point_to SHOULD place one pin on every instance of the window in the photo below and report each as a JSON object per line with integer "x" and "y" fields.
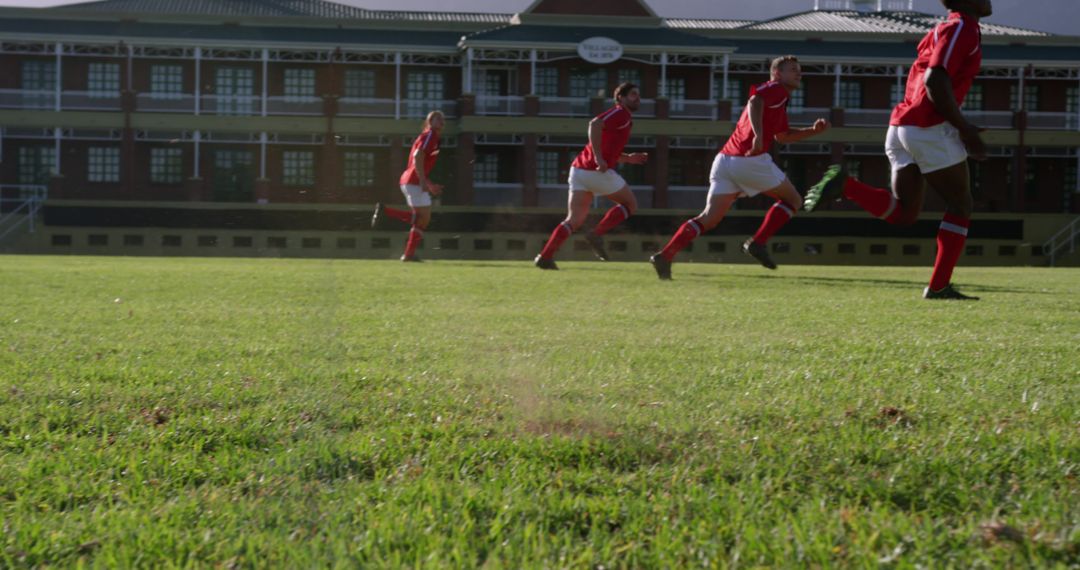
{"x": 103, "y": 164}
{"x": 897, "y": 94}
{"x": 360, "y": 83}
{"x": 797, "y": 100}
{"x": 547, "y": 167}
{"x": 975, "y": 174}
{"x": 588, "y": 82}
{"x": 235, "y": 87}
{"x": 676, "y": 92}
{"x": 547, "y": 82}
{"x": 166, "y": 165}
{"x": 1071, "y": 182}
{"x": 850, "y": 95}
{"x": 854, "y": 168}
{"x": 299, "y": 84}
{"x": 735, "y": 91}
{"x": 973, "y": 101}
{"x": 359, "y": 169}
{"x": 36, "y": 163}
{"x": 39, "y": 84}
{"x": 103, "y": 80}
{"x": 422, "y": 90}
{"x": 495, "y": 81}
{"x": 1031, "y": 97}
{"x": 298, "y": 167}
{"x": 166, "y": 81}
{"x": 631, "y": 75}
{"x": 1031, "y": 185}
{"x": 486, "y": 168}
{"x": 233, "y": 175}
{"x": 1072, "y": 107}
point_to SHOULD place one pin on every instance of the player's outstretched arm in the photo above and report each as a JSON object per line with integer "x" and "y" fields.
{"x": 796, "y": 135}
{"x": 634, "y": 158}
{"x": 939, "y": 89}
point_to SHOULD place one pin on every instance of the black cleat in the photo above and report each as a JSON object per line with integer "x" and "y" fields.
{"x": 544, "y": 263}
{"x": 662, "y": 266}
{"x": 597, "y": 244}
{"x": 411, "y": 259}
{"x": 759, "y": 252}
{"x": 947, "y": 294}
{"x": 378, "y": 214}
{"x": 829, "y": 188}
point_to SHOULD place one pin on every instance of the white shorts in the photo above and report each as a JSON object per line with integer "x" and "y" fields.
{"x": 933, "y": 148}
{"x": 416, "y": 197}
{"x": 599, "y": 183}
{"x": 743, "y": 175}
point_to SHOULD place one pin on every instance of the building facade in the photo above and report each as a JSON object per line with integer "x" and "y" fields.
{"x": 242, "y": 101}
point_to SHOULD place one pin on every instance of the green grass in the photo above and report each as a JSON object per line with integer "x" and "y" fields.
{"x": 306, "y": 413}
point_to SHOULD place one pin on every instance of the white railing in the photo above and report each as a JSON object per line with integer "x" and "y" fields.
{"x": 692, "y": 109}
{"x": 89, "y": 101}
{"x": 508, "y": 105}
{"x": 498, "y": 193}
{"x": 365, "y": 107}
{"x": 564, "y": 106}
{"x": 865, "y": 117}
{"x": 19, "y": 204}
{"x": 242, "y": 105}
{"x": 647, "y": 109}
{"x": 165, "y": 103}
{"x": 27, "y": 99}
{"x": 292, "y": 105}
{"x": 1044, "y": 121}
{"x": 798, "y": 116}
{"x": 1066, "y": 238}
{"x": 419, "y": 108}
{"x": 990, "y": 119}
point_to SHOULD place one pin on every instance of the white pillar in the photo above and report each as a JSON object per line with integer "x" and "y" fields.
{"x": 900, "y": 82}
{"x": 57, "y": 135}
{"x": 712, "y": 78}
{"x": 262, "y": 155}
{"x": 197, "y": 137}
{"x": 397, "y": 84}
{"x": 265, "y": 79}
{"x": 836, "y": 87}
{"x": 58, "y": 80}
{"x": 532, "y": 72}
{"x": 198, "y": 79}
{"x": 130, "y": 66}
{"x": 663, "y": 74}
{"x": 727, "y": 63}
{"x": 468, "y": 79}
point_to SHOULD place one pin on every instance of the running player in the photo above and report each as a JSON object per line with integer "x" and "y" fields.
{"x": 416, "y": 186}
{"x": 744, "y": 168}
{"x": 929, "y": 139}
{"x": 593, "y": 173}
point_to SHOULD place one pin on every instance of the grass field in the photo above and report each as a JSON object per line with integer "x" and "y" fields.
{"x": 306, "y": 413}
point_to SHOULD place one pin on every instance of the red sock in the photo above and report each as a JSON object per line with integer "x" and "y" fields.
{"x": 687, "y": 232}
{"x": 405, "y": 216}
{"x": 558, "y": 236}
{"x": 615, "y": 216}
{"x": 416, "y": 235}
{"x": 950, "y": 244}
{"x": 775, "y": 218}
{"x": 878, "y": 201}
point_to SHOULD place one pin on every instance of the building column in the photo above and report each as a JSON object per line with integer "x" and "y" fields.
{"x": 662, "y": 161}
{"x": 724, "y": 91}
{"x": 329, "y": 179}
{"x": 194, "y": 184}
{"x": 1020, "y": 166}
{"x": 262, "y": 183}
{"x": 397, "y": 85}
{"x": 466, "y": 154}
{"x": 198, "y": 80}
{"x": 265, "y": 79}
{"x": 836, "y": 149}
{"x": 530, "y": 191}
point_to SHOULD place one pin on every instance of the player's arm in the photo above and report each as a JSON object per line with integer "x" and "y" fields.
{"x": 596, "y": 137}
{"x": 939, "y": 90}
{"x": 796, "y": 135}
{"x": 421, "y": 173}
{"x": 634, "y": 158}
{"x": 757, "y": 114}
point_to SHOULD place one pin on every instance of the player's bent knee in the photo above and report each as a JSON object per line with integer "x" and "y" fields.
{"x": 906, "y": 218}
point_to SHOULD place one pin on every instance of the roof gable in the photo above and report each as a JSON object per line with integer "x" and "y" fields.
{"x": 591, "y": 8}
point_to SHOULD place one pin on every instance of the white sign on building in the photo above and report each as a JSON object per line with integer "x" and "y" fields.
{"x": 600, "y": 50}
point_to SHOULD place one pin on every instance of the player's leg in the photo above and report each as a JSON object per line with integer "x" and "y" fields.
{"x": 716, "y": 208}
{"x": 422, "y": 217}
{"x": 788, "y": 201}
{"x": 952, "y": 184}
{"x": 577, "y": 210}
{"x": 625, "y": 206}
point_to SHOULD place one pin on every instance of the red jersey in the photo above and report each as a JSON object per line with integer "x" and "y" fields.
{"x": 956, "y": 45}
{"x": 617, "y": 125}
{"x": 773, "y": 120}
{"x": 428, "y": 141}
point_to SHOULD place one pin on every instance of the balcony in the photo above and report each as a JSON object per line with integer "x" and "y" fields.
{"x": 693, "y": 109}
{"x": 236, "y": 105}
{"x": 165, "y": 103}
{"x": 565, "y": 107}
{"x": 294, "y": 105}
{"x": 28, "y": 99}
{"x": 90, "y": 101}
{"x": 500, "y": 105}
{"x": 363, "y": 107}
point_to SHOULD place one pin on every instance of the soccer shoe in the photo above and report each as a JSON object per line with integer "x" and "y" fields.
{"x": 829, "y": 188}
{"x": 662, "y": 266}
{"x": 759, "y": 252}
{"x": 947, "y": 294}
{"x": 378, "y": 214}
{"x": 545, "y": 263}
{"x": 597, "y": 244}
{"x": 411, "y": 259}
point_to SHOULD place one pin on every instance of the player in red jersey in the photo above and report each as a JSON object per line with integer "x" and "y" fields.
{"x": 416, "y": 186}
{"x": 929, "y": 139}
{"x": 594, "y": 173}
{"x": 744, "y": 168}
